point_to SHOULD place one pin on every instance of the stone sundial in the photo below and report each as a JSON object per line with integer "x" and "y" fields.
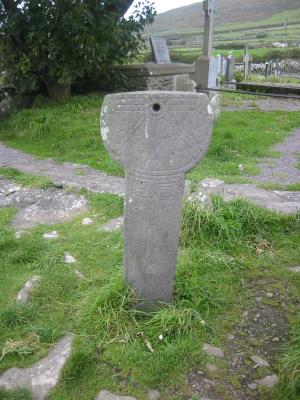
{"x": 157, "y": 137}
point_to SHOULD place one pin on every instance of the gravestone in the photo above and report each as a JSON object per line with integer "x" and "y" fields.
{"x": 247, "y": 64}
{"x": 230, "y": 69}
{"x": 213, "y": 73}
{"x": 157, "y": 137}
{"x": 160, "y": 51}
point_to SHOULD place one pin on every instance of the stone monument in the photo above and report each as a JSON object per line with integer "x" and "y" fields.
{"x": 157, "y": 137}
{"x": 247, "y": 60}
{"x": 160, "y": 51}
{"x": 204, "y": 67}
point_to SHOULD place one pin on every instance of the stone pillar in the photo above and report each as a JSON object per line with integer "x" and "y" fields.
{"x": 203, "y": 65}
{"x": 157, "y": 137}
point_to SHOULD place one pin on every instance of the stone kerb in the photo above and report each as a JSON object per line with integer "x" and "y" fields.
{"x": 157, "y": 137}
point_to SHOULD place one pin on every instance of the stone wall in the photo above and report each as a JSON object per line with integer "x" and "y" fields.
{"x": 168, "y": 77}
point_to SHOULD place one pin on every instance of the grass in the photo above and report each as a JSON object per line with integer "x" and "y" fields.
{"x": 67, "y": 132}
{"x": 239, "y": 138}
{"x": 117, "y": 347}
{"x": 27, "y": 180}
{"x": 273, "y": 79}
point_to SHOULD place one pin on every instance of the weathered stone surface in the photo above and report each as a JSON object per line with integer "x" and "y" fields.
{"x": 51, "y": 235}
{"x": 153, "y": 394}
{"x": 106, "y": 395}
{"x": 30, "y": 285}
{"x": 260, "y": 362}
{"x": 42, "y": 376}
{"x": 252, "y": 386}
{"x": 279, "y": 201}
{"x": 87, "y": 221}
{"x": 269, "y": 381}
{"x": 37, "y": 206}
{"x": 112, "y": 225}
{"x": 213, "y": 351}
{"x": 156, "y": 137}
{"x": 69, "y": 259}
{"x": 295, "y": 269}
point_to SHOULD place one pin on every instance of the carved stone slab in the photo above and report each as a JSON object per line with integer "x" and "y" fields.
{"x": 160, "y": 51}
{"x": 157, "y": 137}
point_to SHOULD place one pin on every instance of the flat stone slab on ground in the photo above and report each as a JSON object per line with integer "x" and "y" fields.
{"x": 213, "y": 351}
{"x": 260, "y": 362}
{"x": 62, "y": 174}
{"x": 106, "y": 395}
{"x": 269, "y": 381}
{"x": 112, "y": 225}
{"x": 30, "y": 285}
{"x": 42, "y": 376}
{"x": 38, "y": 206}
{"x": 295, "y": 269}
{"x": 279, "y": 201}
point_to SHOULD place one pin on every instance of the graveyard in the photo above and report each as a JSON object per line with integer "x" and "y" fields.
{"x": 149, "y": 238}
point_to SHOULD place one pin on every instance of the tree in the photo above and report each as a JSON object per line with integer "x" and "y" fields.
{"x": 53, "y": 43}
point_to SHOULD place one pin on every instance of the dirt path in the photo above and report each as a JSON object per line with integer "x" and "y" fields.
{"x": 65, "y": 175}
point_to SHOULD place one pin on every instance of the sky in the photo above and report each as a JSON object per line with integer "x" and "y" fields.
{"x": 165, "y": 5}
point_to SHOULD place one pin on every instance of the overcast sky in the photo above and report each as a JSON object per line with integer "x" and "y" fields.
{"x": 164, "y": 5}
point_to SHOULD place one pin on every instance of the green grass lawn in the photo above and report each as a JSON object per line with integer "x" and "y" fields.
{"x": 70, "y": 132}
{"x": 217, "y": 266}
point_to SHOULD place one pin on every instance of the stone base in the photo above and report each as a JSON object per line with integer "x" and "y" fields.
{"x": 172, "y": 77}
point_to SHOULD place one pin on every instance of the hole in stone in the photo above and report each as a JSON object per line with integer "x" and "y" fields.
{"x": 156, "y": 107}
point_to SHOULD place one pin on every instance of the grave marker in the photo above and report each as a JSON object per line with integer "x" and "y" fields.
{"x": 160, "y": 51}
{"x": 157, "y": 137}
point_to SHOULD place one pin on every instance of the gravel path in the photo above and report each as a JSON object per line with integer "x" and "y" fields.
{"x": 65, "y": 175}
{"x": 282, "y": 170}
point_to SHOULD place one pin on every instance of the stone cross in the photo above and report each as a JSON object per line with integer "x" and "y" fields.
{"x": 157, "y": 137}
{"x": 204, "y": 64}
{"x": 209, "y": 6}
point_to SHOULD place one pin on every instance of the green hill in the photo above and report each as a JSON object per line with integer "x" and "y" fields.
{"x": 229, "y": 12}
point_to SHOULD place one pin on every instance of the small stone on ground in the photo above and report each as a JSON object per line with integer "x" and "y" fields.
{"x": 112, "y": 225}
{"x": 87, "y": 221}
{"x": 213, "y": 351}
{"x": 106, "y": 395}
{"x": 260, "y": 362}
{"x": 153, "y": 394}
{"x": 51, "y": 235}
{"x": 69, "y": 259}
{"x": 295, "y": 269}
{"x": 30, "y": 285}
{"x": 42, "y": 376}
{"x": 269, "y": 381}
{"x": 252, "y": 386}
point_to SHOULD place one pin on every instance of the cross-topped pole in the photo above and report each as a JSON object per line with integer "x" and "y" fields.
{"x": 209, "y": 7}
{"x": 205, "y": 71}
